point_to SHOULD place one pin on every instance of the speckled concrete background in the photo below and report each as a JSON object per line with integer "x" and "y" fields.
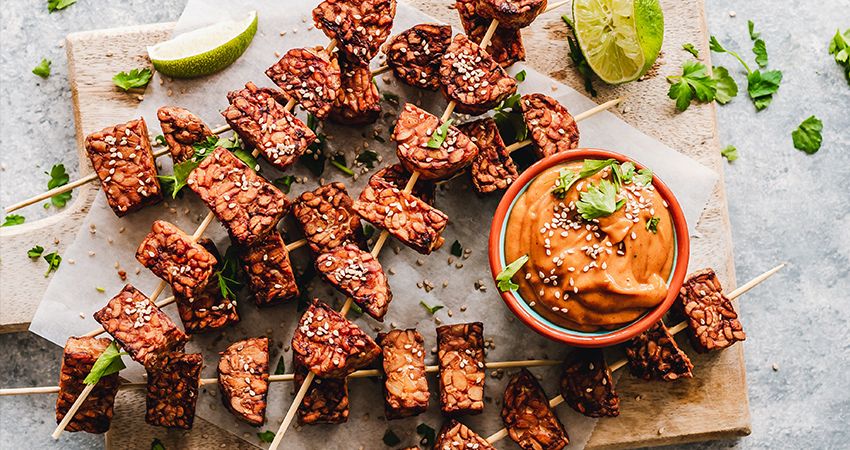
{"x": 784, "y": 206}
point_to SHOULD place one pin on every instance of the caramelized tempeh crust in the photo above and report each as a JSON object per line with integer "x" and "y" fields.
{"x": 208, "y": 310}
{"x": 269, "y": 270}
{"x": 173, "y": 391}
{"x": 654, "y": 355}
{"x": 172, "y": 255}
{"x": 530, "y": 421}
{"x": 141, "y": 328}
{"x": 550, "y": 125}
{"x": 326, "y": 400}
{"x": 358, "y": 101}
{"x": 397, "y": 176}
{"x": 587, "y": 386}
{"x": 492, "y": 169}
{"x": 456, "y": 436}
{"x": 712, "y": 321}
{"x": 327, "y": 218}
{"x": 243, "y": 377}
{"x": 505, "y": 45}
{"x": 511, "y": 13}
{"x": 246, "y": 204}
{"x": 460, "y": 350}
{"x": 309, "y": 75}
{"x": 359, "y": 275}
{"x": 405, "y": 386}
{"x": 95, "y": 414}
{"x": 359, "y": 26}
{"x": 472, "y": 78}
{"x": 415, "y": 54}
{"x": 121, "y": 156}
{"x": 182, "y": 130}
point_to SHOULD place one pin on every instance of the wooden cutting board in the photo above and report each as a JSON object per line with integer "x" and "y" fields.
{"x": 713, "y": 405}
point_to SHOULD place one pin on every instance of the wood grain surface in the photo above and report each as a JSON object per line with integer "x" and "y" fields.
{"x": 713, "y": 405}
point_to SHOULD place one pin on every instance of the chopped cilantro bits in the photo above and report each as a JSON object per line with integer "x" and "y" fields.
{"x": 503, "y": 279}
{"x": 35, "y": 252}
{"x": 431, "y": 309}
{"x": 730, "y": 153}
{"x": 43, "y": 68}
{"x": 13, "y": 219}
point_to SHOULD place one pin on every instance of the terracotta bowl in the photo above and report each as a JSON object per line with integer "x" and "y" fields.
{"x": 538, "y": 323}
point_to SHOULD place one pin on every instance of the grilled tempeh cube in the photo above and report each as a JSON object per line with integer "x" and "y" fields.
{"x": 415, "y": 54}
{"x": 329, "y": 345}
{"x": 95, "y": 414}
{"x": 140, "y": 327}
{"x": 358, "y": 101}
{"x": 246, "y": 204}
{"x": 460, "y": 350}
{"x": 270, "y": 275}
{"x": 182, "y": 130}
{"x": 587, "y": 386}
{"x": 405, "y": 386}
{"x": 397, "y": 176}
{"x": 121, "y": 156}
{"x": 412, "y": 134}
{"x": 358, "y": 26}
{"x": 472, "y": 78}
{"x": 326, "y": 400}
{"x": 173, "y": 256}
{"x": 359, "y": 275}
{"x": 264, "y": 123}
{"x": 309, "y": 75}
{"x": 505, "y": 45}
{"x": 511, "y": 13}
{"x": 411, "y": 220}
{"x": 208, "y": 310}
{"x": 492, "y": 169}
{"x": 457, "y": 436}
{"x": 654, "y": 355}
{"x": 243, "y": 377}
{"x": 526, "y": 413}
{"x": 327, "y": 218}
{"x": 550, "y": 125}
{"x": 712, "y": 321}
{"x": 173, "y": 391}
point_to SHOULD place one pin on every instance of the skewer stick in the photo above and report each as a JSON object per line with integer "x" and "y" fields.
{"x": 72, "y": 411}
{"x": 679, "y": 327}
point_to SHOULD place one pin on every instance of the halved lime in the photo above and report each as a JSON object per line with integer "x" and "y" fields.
{"x": 619, "y": 38}
{"x": 205, "y": 50}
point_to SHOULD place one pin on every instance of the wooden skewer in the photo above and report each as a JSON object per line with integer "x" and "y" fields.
{"x": 679, "y": 327}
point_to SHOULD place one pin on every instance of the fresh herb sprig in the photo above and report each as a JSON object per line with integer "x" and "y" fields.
{"x": 503, "y": 279}
{"x": 35, "y": 252}
{"x": 566, "y": 179}
{"x": 53, "y": 261}
{"x": 510, "y": 121}
{"x": 13, "y": 219}
{"x": 839, "y": 47}
{"x": 229, "y": 274}
{"x": 807, "y": 137}
{"x": 136, "y": 78}
{"x": 57, "y": 5}
{"x": 577, "y": 56}
{"x": 107, "y": 363}
{"x": 174, "y": 183}
{"x": 58, "y": 177}
{"x": 439, "y": 135}
{"x": 761, "y": 85}
{"x": 599, "y": 200}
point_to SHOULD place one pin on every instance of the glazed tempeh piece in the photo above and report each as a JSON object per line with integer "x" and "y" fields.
{"x": 121, "y": 156}
{"x": 95, "y": 414}
{"x": 587, "y": 386}
{"x": 172, "y": 255}
{"x": 397, "y": 176}
{"x": 141, "y": 328}
{"x": 457, "y": 436}
{"x": 208, "y": 310}
{"x": 550, "y": 125}
{"x": 526, "y": 413}
{"x": 654, "y": 355}
{"x": 511, "y": 13}
{"x": 460, "y": 350}
{"x": 327, "y": 218}
{"x": 358, "y": 26}
{"x": 248, "y": 205}
{"x": 405, "y": 386}
{"x": 359, "y": 275}
{"x": 411, "y": 220}
{"x": 243, "y": 378}
{"x": 270, "y": 275}
{"x": 412, "y": 134}
{"x": 415, "y": 54}
{"x": 309, "y": 75}
{"x": 358, "y": 101}
{"x": 265, "y": 124}
{"x": 712, "y": 321}
{"x": 326, "y": 400}
{"x": 472, "y": 78}
{"x": 492, "y": 169}
{"x": 505, "y": 45}
{"x": 173, "y": 391}
{"x": 182, "y": 130}
{"x": 329, "y": 345}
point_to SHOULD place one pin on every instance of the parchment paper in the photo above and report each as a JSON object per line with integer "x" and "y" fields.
{"x": 106, "y": 242}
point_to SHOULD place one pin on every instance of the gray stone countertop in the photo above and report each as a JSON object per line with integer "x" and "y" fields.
{"x": 784, "y": 206}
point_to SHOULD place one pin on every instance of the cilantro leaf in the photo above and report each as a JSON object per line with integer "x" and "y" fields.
{"x": 693, "y": 83}
{"x": 760, "y": 50}
{"x": 266, "y": 436}
{"x": 510, "y": 121}
{"x": 520, "y": 76}
{"x": 431, "y": 309}
{"x": 652, "y": 224}
{"x": 627, "y": 172}
{"x": 577, "y": 56}
{"x": 56, "y": 5}
{"x": 58, "y": 177}
{"x": 248, "y": 158}
{"x": 35, "y": 252}
{"x": 730, "y": 153}
{"x": 338, "y": 161}
{"x": 716, "y": 47}
{"x": 228, "y": 274}
{"x": 644, "y": 177}
{"x": 440, "y": 134}
{"x": 281, "y": 366}
{"x": 599, "y": 201}
{"x": 368, "y": 158}
{"x": 807, "y": 137}
{"x": 688, "y": 47}
{"x": 107, "y": 363}
{"x": 840, "y": 48}
{"x": 284, "y": 183}
{"x": 751, "y": 26}
{"x": 53, "y": 261}
{"x": 762, "y": 85}
{"x": 136, "y": 78}
{"x": 726, "y": 87}
{"x": 160, "y": 140}
{"x": 566, "y": 179}
{"x": 179, "y": 179}
{"x": 503, "y": 279}
{"x": 457, "y": 249}
{"x": 429, "y": 435}
{"x": 13, "y": 219}
{"x": 43, "y": 68}
{"x": 156, "y": 444}
{"x": 592, "y": 166}
{"x": 391, "y": 439}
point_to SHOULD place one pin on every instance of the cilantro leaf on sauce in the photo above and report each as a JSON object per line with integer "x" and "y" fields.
{"x": 503, "y": 279}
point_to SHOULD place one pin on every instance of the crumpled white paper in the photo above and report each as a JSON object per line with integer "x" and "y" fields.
{"x": 106, "y": 242}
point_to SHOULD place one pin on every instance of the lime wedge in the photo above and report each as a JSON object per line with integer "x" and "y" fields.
{"x": 205, "y": 50}
{"x": 619, "y": 38}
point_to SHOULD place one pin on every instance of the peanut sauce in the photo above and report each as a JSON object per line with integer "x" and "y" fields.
{"x": 595, "y": 274}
